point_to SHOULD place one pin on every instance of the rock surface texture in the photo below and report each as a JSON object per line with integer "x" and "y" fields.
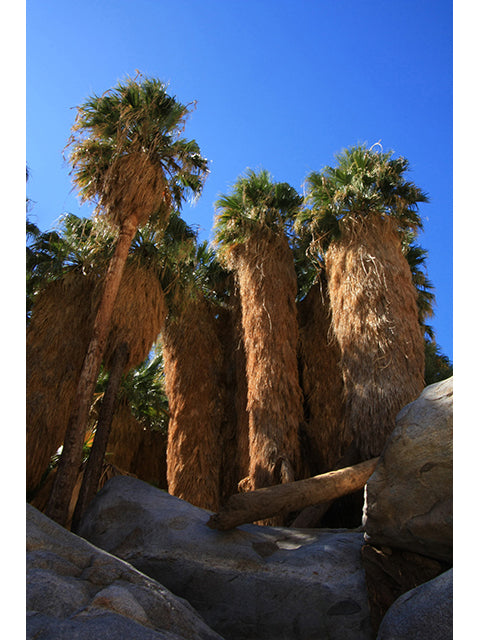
{"x": 78, "y": 592}
{"x": 249, "y": 583}
{"x": 409, "y": 496}
{"x": 424, "y": 612}
{"x": 392, "y": 572}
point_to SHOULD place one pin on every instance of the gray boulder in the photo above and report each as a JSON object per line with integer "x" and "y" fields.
{"x": 78, "y": 592}
{"x": 424, "y": 612}
{"x": 249, "y": 583}
{"x": 409, "y": 497}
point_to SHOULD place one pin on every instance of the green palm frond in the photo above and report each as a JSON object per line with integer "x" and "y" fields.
{"x": 364, "y": 182}
{"x": 144, "y": 387}
{"x": 137, "y": 116}
{"x": 416, "y": 257}
{"x": 255, "y": 203}
{"x": 307, "y": 262}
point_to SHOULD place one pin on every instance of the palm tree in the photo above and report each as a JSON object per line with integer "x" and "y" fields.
{"x": 437, "y": 365}
{"x": 323, "y": 437}
{"x": 193, "y": 365}
{"x": 234, "y": 429}
{"x": 416, "y": 257}
{"x": 360, "y": 211}
{"x": 138, "y": 318}
{"x": 252, "y": 232}
{"x": 63, "y": 267}
{"x": 321, "y": 381}
{"x": 138, "y": 435}
{"x": 128, "y": 157}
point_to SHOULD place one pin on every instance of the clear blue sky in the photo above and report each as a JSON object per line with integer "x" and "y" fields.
{"x": 279, "y": 84}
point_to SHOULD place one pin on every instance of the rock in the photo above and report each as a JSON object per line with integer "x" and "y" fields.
{"x": 78, "y": 592}
{"x": 408, "y": 501}
{"x": 248, "y": 583}
{"x": 392, "y": 572}
{"x": 423, "y": 612}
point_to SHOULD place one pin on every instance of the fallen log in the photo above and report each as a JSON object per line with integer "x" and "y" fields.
{"x": 312, "y": 515}
{"x": 242, "y": 508}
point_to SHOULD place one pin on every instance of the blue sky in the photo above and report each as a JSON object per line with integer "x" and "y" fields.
{"x": 281, "y": 85}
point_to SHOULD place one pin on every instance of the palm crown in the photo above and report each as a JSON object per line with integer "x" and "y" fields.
{"x": 364, "y": 182}
{"x": 256, "y": 203}
{"x": 127, "y": 153}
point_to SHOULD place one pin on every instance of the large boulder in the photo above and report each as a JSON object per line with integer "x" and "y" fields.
{"x": 409, "y": 497}
{"x": 251, "y": 582}
{"x": 78, "y": 592}
{"x": 424, "y": 612}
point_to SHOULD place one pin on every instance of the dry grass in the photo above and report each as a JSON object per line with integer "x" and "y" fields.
{"x": 193, "y": 359}
{"x": 375, "y": 320}
{"x": 267, "y": 284}
{"x": 322, "y": 383}
{"x": 57, "y": 341}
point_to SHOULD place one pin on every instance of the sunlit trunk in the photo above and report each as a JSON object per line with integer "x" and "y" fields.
{"x": 375, "y": 321}
{"x": 267, "y": 282}
{"x": 70, "y": 461}
{"x": 193, "y": 359}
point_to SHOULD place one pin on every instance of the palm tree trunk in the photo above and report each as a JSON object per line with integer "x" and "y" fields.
{"x": 234, "y": 427}
{"x": 193, "y": 359}
{"x": 268, "y": 284}
{"x": 93, "y": 470}
{"x": 321, "y": 381}
{"x": 70, "y": 461}
{"x": 57, "y": 341}
{"x": 375, "y": 320}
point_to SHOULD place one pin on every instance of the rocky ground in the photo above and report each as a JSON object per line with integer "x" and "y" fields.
{"x": 145, "y": 565}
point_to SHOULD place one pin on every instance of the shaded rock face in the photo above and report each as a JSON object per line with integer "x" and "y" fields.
{"x": 392, "y": 572}
{"x": 78, "y": 592}
{"x": 424, "y": 612}
{"x": 409, "y": 496}
{"x": 251, "y": 582}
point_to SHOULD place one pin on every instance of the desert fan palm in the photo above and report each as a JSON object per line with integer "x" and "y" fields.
{"x": 127, "y": 156}
{"x": 360, "y": 211}
{"x": 193, "y": 362}
{"x": 253, "y": 225}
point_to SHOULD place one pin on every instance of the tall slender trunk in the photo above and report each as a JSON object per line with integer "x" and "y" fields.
{"x": 71, "y": 458}
{"x": 93, "y": 470}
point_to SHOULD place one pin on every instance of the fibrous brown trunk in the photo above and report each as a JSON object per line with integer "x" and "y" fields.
{"x": 193, "y": 359}
{"x": 322, "y": 384}
{"x": 293, "y": 496}
{"x": 375, "y": 321}
{"x": 125, "y": 437}
{"x": 234, "y": 428}
{"x": 150, "y": 460}
{"x": 71, "y": 458}
{"x": 57, "y": 341}
{"x": 94, "y": 467}
{"x": 267, "y": 282}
